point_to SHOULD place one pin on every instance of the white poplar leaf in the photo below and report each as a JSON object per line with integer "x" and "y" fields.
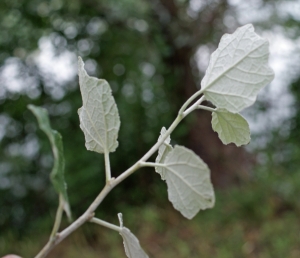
{"x": 132, "y": 245}
{"x": 231, "y": 128}
{"x": 163, "y": 151}
{"x": 99, "y": 116}
{"x": 237, "y": 70}
{"x": 57, "y": 175}
{"x": 188, "y": 181}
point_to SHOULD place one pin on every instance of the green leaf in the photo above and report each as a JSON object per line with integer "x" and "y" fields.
{"x": 188, "y": 181}
{"x": 57, "y": 174}
{"x": 231, "y": 128}
{"x": 163, "y": 151}
{"x": 237, "y": 70}
{"x": 132, "y": 245}
{"x": 99, "y": 116}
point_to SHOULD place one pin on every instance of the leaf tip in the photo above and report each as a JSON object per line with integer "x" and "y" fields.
{"x": 34, "y": 108}
{"x": 80, "y": 61}
{"x": 80, "y": 67}
{"x": 30, "y": 106}
{"x": 249, "y": 26}
{"x": 120, "y": 217}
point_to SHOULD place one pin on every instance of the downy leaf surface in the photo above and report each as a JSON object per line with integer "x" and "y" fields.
{"x": 188, "y": 181}
{"x": 99, "y": 116}
{"x": 57, "y": 174}
{"x": 231, "y": 128}
{"x": 132, "y": 245}
{"x": 237, "y": 70}
{"x": 163, "y": 151}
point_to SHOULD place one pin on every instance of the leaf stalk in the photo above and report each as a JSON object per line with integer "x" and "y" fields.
{"x": 107, "y": 166}
{"x": 105, "y": 224}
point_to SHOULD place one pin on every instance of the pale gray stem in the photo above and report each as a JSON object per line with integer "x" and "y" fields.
{"x": 155, "y": 147}
{"x": 206, "y": 108}
{"x": 55, "y": 229}
{"x": 107, "y": 166}
{"x": 151, "y": 164}
{"x": 105, "y": 224}
{"x": 58, "y": 217}
{"x": 194, "y": 106}
{"x": 89, "y": 213}
{"x": 189, "y": 101}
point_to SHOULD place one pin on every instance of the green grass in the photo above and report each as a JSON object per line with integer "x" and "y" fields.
{"x": 250, "y": 221}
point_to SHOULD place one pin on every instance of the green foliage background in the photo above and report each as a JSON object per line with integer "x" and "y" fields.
{"x": 142, "y": 117}
{"x": 131, "y": 44}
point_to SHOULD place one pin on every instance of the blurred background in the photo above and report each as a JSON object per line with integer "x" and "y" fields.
{"x": 154, "y": 54}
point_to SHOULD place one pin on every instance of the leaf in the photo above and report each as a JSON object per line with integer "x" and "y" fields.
{"x": 57, "y": 174}
{"x": 99, "y": 116}
{"x": 230, "y": 127}
{"x": 237, "y": 70}
{"x": 132, "y": 245}
{"x": 163, "y": 151}
{"x": 188, "y": 180}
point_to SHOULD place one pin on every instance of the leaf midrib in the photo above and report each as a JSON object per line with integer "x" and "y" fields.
{"x": 231, "y": 67}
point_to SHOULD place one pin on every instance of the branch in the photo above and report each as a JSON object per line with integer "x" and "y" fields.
{"x": 89, "y": 213}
